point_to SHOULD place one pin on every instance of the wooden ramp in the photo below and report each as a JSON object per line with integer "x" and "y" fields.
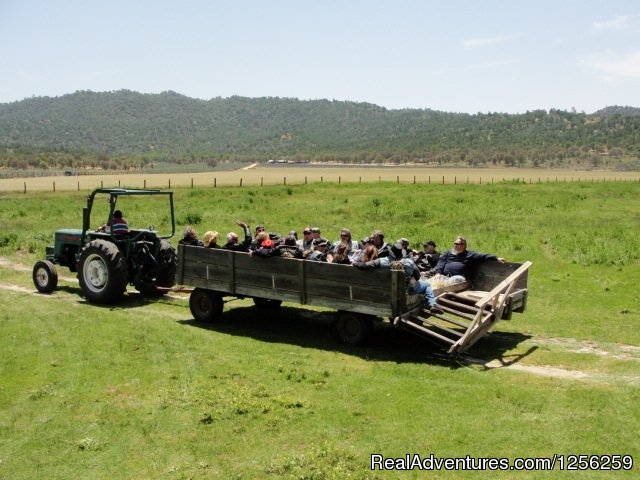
{"x": 468, "y": 315}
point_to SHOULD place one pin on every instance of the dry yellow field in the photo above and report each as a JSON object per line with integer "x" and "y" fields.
{"x": 296, "y": 175}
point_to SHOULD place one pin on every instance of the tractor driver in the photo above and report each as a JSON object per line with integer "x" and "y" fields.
{"x": 119, "y": 225}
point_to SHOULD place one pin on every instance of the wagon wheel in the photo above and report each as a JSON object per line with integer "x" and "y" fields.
{"x": 353, "y": 328}
{"x": 206, "y": 305}
{"x": 45, "y": 276}
{"x": 266, "y": 303}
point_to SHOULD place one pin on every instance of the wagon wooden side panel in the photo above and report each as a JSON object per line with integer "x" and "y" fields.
{"x": 342, "y": 287}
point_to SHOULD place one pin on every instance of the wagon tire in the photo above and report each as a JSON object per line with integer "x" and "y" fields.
{"x": 353, "y": 328}
{"x": 45, "y": 276}
{"x": 267, "y": 303}
{"x": 102, "y": 272}
{"x": 206, "y": 305}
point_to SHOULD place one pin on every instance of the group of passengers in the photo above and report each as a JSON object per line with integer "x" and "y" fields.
{"x": 422, "y": 269}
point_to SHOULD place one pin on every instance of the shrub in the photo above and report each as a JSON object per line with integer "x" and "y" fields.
{"x": 190, "y": 219}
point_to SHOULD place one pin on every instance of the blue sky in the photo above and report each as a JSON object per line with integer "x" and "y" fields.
{"x": 455, "y": 56}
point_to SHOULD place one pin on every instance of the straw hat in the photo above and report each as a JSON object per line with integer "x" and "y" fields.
{"x": 209, "y": 238}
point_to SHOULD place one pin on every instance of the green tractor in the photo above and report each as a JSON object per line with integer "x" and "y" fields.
{"x": 108, "y": 259}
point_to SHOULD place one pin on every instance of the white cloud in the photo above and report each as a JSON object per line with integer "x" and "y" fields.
{"x": 618, "y": 22}
{"x": 484, "y": 41}
{"x": 616, "y": 66}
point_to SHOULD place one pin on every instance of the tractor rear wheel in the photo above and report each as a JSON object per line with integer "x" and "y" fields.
{"x": 45, "y": 276}
{"x": 167, "y": 257}
{"x": 166, "y": 277}
{"x": 102, "y": 272}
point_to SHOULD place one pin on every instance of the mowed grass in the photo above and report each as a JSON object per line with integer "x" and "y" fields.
{"x": 140, "y": 390}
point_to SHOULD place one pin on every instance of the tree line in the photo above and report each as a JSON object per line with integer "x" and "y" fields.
{"x": 129, "y": 130}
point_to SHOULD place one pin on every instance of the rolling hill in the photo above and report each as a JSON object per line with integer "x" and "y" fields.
{"x": 126, "y": 128}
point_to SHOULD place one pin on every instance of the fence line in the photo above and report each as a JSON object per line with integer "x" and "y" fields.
{"x": 183, "y": 180}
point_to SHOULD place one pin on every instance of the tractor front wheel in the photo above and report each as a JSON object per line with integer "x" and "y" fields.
{"x": 102, "y": 272}
{"x": 45, "y": 276}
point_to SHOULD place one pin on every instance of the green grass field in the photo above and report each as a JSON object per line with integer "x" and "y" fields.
{"x": 140, "y": 390}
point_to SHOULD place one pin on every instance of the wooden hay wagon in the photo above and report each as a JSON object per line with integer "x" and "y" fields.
{"x": 359, "y": 296}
